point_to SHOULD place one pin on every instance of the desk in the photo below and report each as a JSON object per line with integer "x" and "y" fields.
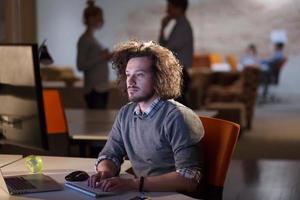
{"x": 263, "y": 180}
{"x": 59, "y": 167}
{"x": 246, "y": 180}
{"x": 85, "y": 124}
{"x": 202, "y": 78}
{"x": 89, "y": 125}
{"x": 7, "y": 158}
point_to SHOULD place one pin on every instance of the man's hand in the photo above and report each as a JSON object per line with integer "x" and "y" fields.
{"x": 118, "y": 184}
{"x": 96, "y": 178}
{"x": 165, "y": 21}
{"x": 105, "y": 169}
{"x": 106, "y": 55}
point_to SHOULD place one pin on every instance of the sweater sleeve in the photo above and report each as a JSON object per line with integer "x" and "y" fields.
{"x": 185, "y": 132}
{"x": 114, "y": 147}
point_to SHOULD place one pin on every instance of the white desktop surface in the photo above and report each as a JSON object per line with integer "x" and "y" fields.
{"x": 7, "y": 158}
{"x": 59, "y": 167}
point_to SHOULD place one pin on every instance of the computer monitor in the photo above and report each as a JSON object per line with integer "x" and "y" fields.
{"x": 22, "y": 118}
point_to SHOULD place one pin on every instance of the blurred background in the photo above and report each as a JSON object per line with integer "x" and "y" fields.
{"x": 222, "y": 28}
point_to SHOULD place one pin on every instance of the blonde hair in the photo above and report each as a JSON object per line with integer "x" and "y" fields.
{"x": 166, "y": 68}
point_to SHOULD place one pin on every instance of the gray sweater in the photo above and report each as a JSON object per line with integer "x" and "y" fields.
{"x": 161, "y": 142}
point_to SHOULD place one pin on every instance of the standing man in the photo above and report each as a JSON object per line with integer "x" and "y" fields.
{"x": 180, "y": 41}
{"x": 158, "y": 134}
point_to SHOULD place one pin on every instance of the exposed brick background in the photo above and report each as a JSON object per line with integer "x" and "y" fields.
{"x": 225, "y": 26}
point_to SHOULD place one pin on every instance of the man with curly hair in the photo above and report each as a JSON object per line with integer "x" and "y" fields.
{"x": 159, "y": 135}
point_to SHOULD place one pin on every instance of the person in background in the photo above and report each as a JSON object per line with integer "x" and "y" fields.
{"x": 251, "y": 57}
{"x": 268, "y": 67}
{"x": 158, "y": 134}
{"x": 180, "y": 40}
{"x": 92, "y": 59}
{"x": 277, "y": 56}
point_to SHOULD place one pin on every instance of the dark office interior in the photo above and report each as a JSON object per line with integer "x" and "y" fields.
{"x": 265, "y": 162}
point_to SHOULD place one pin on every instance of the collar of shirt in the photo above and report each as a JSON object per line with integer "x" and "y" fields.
{"x": 153, "y": 107}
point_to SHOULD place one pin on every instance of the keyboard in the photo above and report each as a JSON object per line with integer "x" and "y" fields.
{"x": 18, "y": 183}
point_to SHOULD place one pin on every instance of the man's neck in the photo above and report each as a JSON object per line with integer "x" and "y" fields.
{"x": 179, "y": 15}
{"x": 145, "y": 104}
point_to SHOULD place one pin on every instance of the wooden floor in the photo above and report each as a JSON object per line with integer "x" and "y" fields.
{"x": 276, "y": 126}
{"x": 263, "y": 180}
{"x": 267, "y": 158}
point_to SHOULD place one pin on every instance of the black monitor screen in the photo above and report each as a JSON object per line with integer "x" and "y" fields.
{"x": 22, "y": 119}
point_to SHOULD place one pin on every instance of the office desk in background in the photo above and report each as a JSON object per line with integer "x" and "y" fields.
{"x": 90, "y": 125}
{"x": 85, "y": 124}
{"x": 59, "y": 167}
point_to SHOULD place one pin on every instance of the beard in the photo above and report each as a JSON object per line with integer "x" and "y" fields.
{"x": 140, "y": 98}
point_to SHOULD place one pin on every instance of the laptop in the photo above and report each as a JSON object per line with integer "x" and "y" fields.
{"x": 82, "y": 187}
{"x": 30, "y": 183}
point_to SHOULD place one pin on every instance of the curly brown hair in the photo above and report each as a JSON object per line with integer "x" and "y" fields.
{"x": 166, "y": 68}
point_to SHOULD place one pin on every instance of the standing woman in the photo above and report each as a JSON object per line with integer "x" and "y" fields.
{"x": 93, "y": 59}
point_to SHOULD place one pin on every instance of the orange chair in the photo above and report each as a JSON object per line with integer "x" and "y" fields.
{"x": 232, "y": 61}
{"x": 219, "y": 141}
{"x": 215, "y": 58}
{"x": 201, "y": 60}
{"x": 56, "y": 123}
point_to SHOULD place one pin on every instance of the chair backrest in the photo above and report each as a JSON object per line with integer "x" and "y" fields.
{"x": 56, "y": 123}
{"x": 54, "y": 112}
{"x": 232, "y": 61}
{"x": 215, "y": 58}
{"x": 201, "y": 60}
{"x": 219, "y": 142}
{"x": 276, "y": 69}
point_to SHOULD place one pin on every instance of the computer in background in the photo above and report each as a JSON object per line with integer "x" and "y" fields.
{"x": 22, "y": 117}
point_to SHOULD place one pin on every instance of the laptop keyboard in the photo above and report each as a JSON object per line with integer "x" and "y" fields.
{"x": 19, "y": 183}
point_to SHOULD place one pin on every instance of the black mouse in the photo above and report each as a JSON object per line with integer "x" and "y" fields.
{"x": 77, "y": 176}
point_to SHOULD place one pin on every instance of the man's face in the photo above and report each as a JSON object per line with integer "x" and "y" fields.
{"x": 171, "y": 10}
{"x": 174, "y": 11}
{"x": 139, "y": 79}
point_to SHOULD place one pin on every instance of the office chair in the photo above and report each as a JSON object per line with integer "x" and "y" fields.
{"x": 272, "y": 78}
{"x": 219, "y": 142}
{"x": 215, "y": 58}
{"x": 276, "y": 69}
{"x": 56, "y": 123}
{"x": 232, "y": 61}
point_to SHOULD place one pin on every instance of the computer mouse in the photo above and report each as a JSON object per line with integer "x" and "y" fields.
{"x": 77, "y": 176}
